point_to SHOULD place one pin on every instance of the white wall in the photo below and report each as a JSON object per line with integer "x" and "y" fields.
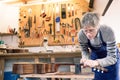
{"x": 9, "y": 16}
{"x": 112, "y": 16}
{"x": 99, "y": 5}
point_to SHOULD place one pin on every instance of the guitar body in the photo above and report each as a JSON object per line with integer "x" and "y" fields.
{"x": 33, "y": 68}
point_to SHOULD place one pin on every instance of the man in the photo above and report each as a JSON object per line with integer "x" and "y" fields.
{"x": 98, "y": 46}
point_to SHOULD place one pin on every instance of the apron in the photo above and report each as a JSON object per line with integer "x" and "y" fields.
{"x": 101, "y": 52}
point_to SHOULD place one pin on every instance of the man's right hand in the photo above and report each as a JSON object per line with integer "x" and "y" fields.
{"x": 82, "y": 62}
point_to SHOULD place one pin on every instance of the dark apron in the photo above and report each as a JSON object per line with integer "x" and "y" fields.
{"x": 101, "y": 52}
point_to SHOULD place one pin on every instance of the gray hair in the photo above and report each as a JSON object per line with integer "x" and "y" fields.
{"x": 90, "y": 19}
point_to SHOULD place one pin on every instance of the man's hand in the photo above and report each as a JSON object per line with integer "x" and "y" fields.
{"x": 83, "y": 60}
{"x": 89, "y": 63}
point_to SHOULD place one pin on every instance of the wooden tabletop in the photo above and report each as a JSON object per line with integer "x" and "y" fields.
{"x": 40, "y": 55}
{"x": 57, "y": 75}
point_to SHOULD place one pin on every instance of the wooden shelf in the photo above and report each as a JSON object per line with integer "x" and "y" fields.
{"x": 58, "y": 44}
{"x": 6, "y": 34}
{"x": 40, "y": 55}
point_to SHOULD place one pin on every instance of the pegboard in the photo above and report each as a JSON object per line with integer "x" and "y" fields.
{"x": 58, "y": 23}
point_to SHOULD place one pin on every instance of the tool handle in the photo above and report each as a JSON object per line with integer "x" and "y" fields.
{"x": 98, "y": 68}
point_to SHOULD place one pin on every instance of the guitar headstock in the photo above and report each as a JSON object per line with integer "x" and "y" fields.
{"x": 100, "y": 69}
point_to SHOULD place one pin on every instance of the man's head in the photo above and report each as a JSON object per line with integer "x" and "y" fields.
{"x": 90, "y": 24}
{"x": 90, "y": 19}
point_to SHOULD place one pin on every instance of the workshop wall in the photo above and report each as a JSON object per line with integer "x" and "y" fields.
{"x": 9, "y": 16}
{"x": 58, "y": 23}
{"x": 111, "y": 17}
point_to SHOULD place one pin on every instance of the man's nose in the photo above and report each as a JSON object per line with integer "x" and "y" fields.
{"x": 88, "y": 34}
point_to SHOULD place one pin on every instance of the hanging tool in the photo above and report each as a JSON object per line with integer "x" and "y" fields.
{"x": 72, "y": 22}
{"x": 57, "y": 24}
{"x": 43, "y": 14}
{"x": 50, "y": 25}
{"x": 48, "y": 18}
{"x": 69, "y": 13}
{"x": 29, "y": 23}
{"x": 63, "y": 11}
{"x": 57, "y": 20}
{"x": 72, "y": 10}
{"x": 77, "y": 23}
{"x": 29, "y": 26}
{"x": 45, "y": 32}
{"x": 53, "y": 22}
{"x": 63, "y": 28}
{"x": 34, "y": 19}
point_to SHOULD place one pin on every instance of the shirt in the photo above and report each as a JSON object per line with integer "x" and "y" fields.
{"x": 108, "y": 37}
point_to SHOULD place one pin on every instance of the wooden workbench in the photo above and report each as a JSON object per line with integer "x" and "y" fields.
{"x": 40, "y": 55}
{"x": 56, "y": 75}
{"x": 35, "y": 56}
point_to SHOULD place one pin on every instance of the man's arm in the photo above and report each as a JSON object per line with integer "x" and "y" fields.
{"x": 109, "y": 38}
{"x": 83, "y": 44}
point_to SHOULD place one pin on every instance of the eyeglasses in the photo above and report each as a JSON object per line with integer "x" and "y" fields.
{"x": 91, "y": 31}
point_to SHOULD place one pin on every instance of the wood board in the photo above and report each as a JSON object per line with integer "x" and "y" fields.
{"x": 56, "y": 75}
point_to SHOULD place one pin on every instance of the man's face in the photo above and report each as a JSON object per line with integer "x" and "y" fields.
{"x": 90, "y": 32}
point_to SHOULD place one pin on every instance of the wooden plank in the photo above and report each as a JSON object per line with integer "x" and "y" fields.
{"x": 54, "y": 75}
{"x": 6, "y": 34}
{"x": 40, "y": 55}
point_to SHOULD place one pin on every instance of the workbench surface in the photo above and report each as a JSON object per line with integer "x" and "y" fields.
{"x": 58, "y": 75}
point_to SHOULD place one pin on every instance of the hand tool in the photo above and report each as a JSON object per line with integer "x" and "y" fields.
{"x": 72, "y": 22}
{"x": 53, "y": 22}
{"x": 69, "y": 13}
{"x": 63, "y": 28}
{"x": 48, "y": 18}
{"x": 57, "y": 24}
{"x": 50, "y": 25}
{"x": 43, "y": 14}
{"x": 63, "y": 11}
{"x": 77, "y": 23}
{"x": 72, "y": 10}
{"x": 97, "y": 68}
{"x": 34, "y": 19}
{"x": 29, "y": 25}
{"x": 57, "y": 19}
